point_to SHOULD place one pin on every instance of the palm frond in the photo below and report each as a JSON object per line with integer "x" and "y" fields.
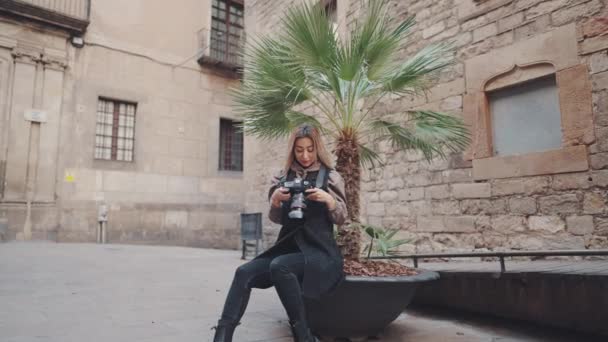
{"x": 368, "y": 157}
{"x": 411, "y": 76}
{"x": 430, "y": 132}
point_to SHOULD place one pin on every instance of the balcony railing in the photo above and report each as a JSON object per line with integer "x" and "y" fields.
{"x": 222, "y": 51}
{"x": 69, "y": 15}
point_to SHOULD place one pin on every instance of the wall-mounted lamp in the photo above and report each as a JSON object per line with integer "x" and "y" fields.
{"x": 77, "y": 41}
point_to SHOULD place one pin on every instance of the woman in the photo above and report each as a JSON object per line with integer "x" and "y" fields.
{"x": 305, "y": 261}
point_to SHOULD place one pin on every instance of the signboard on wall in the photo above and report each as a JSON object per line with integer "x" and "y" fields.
{"x": 35, "y": 115}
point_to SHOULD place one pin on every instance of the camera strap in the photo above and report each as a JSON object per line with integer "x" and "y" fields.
{"x": 321, "y": 177}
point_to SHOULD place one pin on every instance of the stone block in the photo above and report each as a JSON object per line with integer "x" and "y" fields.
{"x": 119, "y": 181}
{"x": 164, "y": 165}
{"x": 387, "y": 196}
{"x": 528, "y": 185}
{"x": 600, "y": 81}
{"x": 184, "y": 148}
{"x": 544, "y": 8}
{"x": 395, "y": 183}
{"x": 445, "y": 208}
{"x": 602, "y": 139}
{"x": 532, "y": 28}
{"x": 483, "y": 223}
{"x": 567, "y": 159}
{"x": 391, "y": 222}
{"x": 411, "y": 194}
{"x": 523, "y": 206}
{"x": 591, "y": 45}
{"x": 437, "y": 191}
{"x": 508, "y": 224}
{"x": 471, "y": 190}
{"x": 375, "y": 209}
{"x": 599, "y": 161}
{"x": 155, "y": 144}
{"x": 182, "y": 185}
{"x": 563, "y": 241}
{"x": 600, "y": 178}
{"x": 572, "y": 181}
{"x": 194, "y": 167}
{"x": 576, "y": 105}
{"x": 593, "y": 27}
{"x": 525, "y": 242}
{"x": 580, "y": 225}
{"x": 420, "y": 208}
{"x": 446, "y": 90}
{"x": 150, "y": 183}
{"x": 397, "y": 210}
{"x": 594, "y": 202}
{"x": 460, "y": 224}
{"x": 548, "y": 224}
{"x": 503, "y": 39}
{"x": 485, "y": 32}
{"x": 433, "y": 30}
{"x": 176, "y": 219}
{"x": 559, "y": 204}
{"x": 462, "y": 39}
{"x": 572, "y": 13}
{"x": 600, "y": 108}
{"x": 152, "y": 219}
{"x": 483, "y": 206}
{"x": 510, "y": 22}
{"x": 598, "y": 62}
{"x": 458, "y": 176}
{"x": 431, "y": 224}
{"x": 468, "y": 10}
{"x": 601, "y": 226}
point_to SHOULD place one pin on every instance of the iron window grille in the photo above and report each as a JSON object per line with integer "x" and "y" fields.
{"x": 231, "y": 146}
{"x": 115, "y": 131}
{"x": 227, "y": 30}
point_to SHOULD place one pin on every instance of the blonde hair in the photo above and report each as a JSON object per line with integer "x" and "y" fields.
{"x": 308, "y": 131}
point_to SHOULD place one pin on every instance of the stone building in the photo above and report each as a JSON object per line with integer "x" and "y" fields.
{"x": 124, "y": 105}
{"x": 531, "y": 79}
{"x": 121, "y": 104}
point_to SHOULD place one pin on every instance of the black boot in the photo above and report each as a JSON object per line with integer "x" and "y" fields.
{"x": 224, "y": 331}
{"x": 301, "y": 333}
{"x": 225, "y": 326}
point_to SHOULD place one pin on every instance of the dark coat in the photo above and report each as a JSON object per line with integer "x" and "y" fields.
{"x": 323, "y": 269}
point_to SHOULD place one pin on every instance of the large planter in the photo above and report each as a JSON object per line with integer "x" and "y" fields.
{"x": 363, "y": 306}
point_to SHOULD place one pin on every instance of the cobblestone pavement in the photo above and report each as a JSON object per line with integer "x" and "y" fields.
{"x": 90, "y": 293}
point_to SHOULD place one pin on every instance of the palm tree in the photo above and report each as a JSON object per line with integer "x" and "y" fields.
{"x": 306, "y": 65}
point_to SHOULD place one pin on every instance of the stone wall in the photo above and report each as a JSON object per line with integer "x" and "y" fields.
{"x": 449, "y": 204}
{"x": 146, "y": 52}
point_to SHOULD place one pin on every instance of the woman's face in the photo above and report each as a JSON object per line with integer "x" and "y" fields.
{"x": 304, "y": 150}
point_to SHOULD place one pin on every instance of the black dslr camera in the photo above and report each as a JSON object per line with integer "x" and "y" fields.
{"x": 296, "y": 188}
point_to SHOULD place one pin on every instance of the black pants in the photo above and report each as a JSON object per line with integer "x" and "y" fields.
{"x": 284, "y": 271}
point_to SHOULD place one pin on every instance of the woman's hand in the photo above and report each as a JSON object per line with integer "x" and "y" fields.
{"x": 279, "y": 195}
{"x": 321, "y": 195}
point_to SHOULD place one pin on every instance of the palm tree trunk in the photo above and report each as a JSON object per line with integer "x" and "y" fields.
{"x": 349, "y": 236}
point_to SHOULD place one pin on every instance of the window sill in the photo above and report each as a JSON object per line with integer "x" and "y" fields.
{"x": 114, "y": 165}
{"x": 230, "y": 174}
{"x": 567, "y": 159}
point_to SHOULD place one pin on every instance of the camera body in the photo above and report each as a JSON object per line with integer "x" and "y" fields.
{"x": 296, "y": 188}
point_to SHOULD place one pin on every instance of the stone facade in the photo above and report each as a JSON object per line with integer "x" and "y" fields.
{"x": 475, "y": 200}
{"x": 138, "y": 51}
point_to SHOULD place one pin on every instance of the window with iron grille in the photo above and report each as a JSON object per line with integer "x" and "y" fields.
{"x": 231, "y": 146}
{"x": 226, "y": 30}
{"x": 115, "y": 131}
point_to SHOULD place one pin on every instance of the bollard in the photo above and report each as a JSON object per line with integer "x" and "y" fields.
{"x": 102, "y": 220}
